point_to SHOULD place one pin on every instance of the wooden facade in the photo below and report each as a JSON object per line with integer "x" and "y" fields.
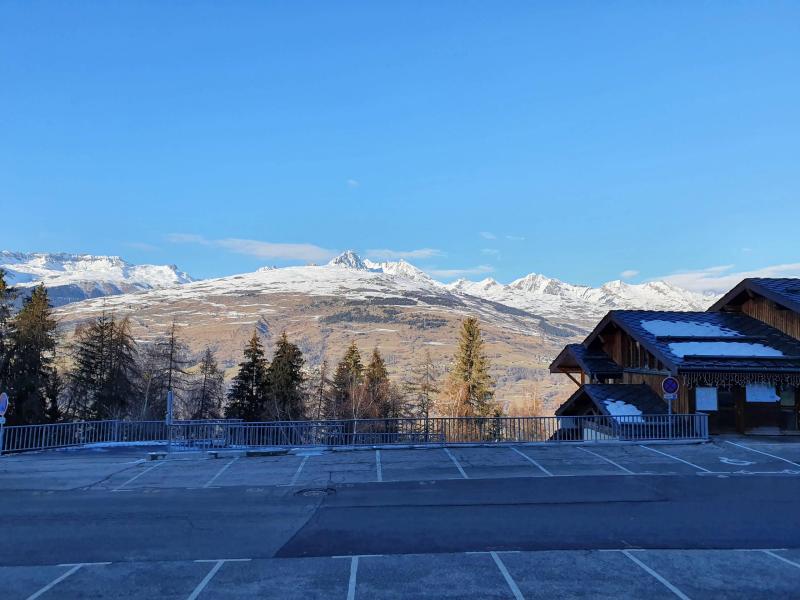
{"x": 771, "y": 313}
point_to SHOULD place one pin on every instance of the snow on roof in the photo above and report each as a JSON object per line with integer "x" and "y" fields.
{"x": 660, "y": 327}
{"x": 722, "y": 349}
{"x": 618, "y": 408}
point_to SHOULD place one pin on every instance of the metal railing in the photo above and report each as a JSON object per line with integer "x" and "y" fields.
{"x": 228, "y": 433}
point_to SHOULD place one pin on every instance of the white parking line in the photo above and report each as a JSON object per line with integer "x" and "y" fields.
{"x": 458, "y": 464}
{"x": 663, "y": 581}
{"x": 699, "y": 468}
{"x": 351, "y": 586}
{"x": 57, "y": 580}
{"x": 378, "y": 467}
{"x": 135, "y": 477}
{"x": 507, "y": 576}
{"x": 764, "y": 453}
{"x": 608, "y": 460}
{"x": 210, "y": 575}
{"x": 220, "y": 472}
{"x": 530, "y": 460}
{"x": 299, "y": 468}
{"x": 781, "y": 558}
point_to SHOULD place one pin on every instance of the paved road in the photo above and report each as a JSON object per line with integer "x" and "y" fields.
{"x": 670, "y": 521}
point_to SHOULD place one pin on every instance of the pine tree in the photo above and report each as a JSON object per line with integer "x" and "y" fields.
{"x": 347, "y": 385}
{"x": 33, "y": 343}
{"x": 105, "y": 373}
{"x": 7, "y": 297}
{"x": 285, "y": 380}
{"x": 470, "y": 387}
{"x": 249, "y": 392}
{"x": 423, "y": 386}
{"x": 207, "y": 389}
{"x": 377, "y": 386}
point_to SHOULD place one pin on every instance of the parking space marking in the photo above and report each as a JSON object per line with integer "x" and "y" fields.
{"x": 533, "y": 462}
{"x": 699, "y": 468}
{"x": 299, "y": 468}
{"x": 351, "y": 586}
{"x": 608, "y": 460}
{"x": 55, "y": 582}
{"x": 507, "y": 576}
{"x": 210, "y": 575}
{"x": 455, "y": 461}
{"x": 764, "y": 453}
{"x": 660, "y": 579}
{"x": 220, "y": 472}
{"x": 135, "y": 477}
{"x": 781, "y": 558}
{"x": 378, "y": 467}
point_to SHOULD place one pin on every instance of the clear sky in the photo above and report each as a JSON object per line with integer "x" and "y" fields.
{"x": 579, "y": 139}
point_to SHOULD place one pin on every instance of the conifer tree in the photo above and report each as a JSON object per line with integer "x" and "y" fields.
{"x": 105, "y": 373}
{"x": 423, "y": 386}
{"x": 249, "y": 392}
{"x": 164, "y": 368}
{"x": 285, "y": 380}
{"x": 347, "y": 385}
{"x": 320, "y": 400}
{"x": 377, "y": 386}
{"x": 7, "y": 297}
{"x": 33, "y": 343}
{"x": 470, "y": 387}
{"x": 207, "y": 389}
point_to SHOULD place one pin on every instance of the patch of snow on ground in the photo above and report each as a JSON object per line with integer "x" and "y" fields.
{"x": 659, "y": 327}
{"x": 618, "y": 408}
{"x": 681, "y": 349}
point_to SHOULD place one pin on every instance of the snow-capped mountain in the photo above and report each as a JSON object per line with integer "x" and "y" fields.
{"x": 549, "y": 297}
{"x": 74, "y": 277}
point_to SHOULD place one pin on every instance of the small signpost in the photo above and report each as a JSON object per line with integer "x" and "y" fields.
{"x": 3, "y": 409}
{"x": 670, "y": 388}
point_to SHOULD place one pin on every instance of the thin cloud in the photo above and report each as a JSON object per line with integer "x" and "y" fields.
{"x": 353, "y": 183}
{"x": 721, "y": 278}
{"x": 515, "y": 238}
{"x": 257, "y": 248}
{"x": 628, "y": 273}
{"x": 420, "y": 254}
{"x": 479, "y": 270}
{"x": 488, "y": 235}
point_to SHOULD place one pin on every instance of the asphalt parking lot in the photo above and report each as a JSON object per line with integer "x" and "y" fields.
{"x": 712, "y": 520}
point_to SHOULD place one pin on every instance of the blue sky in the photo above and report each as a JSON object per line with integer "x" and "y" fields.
{"x": 579, "y": 139}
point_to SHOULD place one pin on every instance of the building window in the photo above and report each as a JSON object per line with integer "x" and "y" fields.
{"x": 761, "y": 392}
{"x": 706, "y": 398}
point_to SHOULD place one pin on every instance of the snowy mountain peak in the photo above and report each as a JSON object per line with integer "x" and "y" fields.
{"x": 349, "y": 260}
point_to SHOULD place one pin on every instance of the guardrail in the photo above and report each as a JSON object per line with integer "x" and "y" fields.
{"x": 232, "y": 433}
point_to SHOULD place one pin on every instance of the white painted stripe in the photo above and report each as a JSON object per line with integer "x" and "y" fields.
{"x": 663, "y": 581}
{"x": 764, "y": 453}
{"x": 675, "y": 458}
{"x": 608, "y": 460}
{"x": 209, "y": 576}
{"x": 210, "y": 560}
{"x": 220, "y": 472}
{"x": 351, "y": 586}
{"x": 94, "y": 564}
{"x": 507, "y": 576}
{"x": 135, "y": 477}
{"x": 378, "y": 466}
{"x": 781, "y": 558}
{"x": 299, "y": 468}
{"x": 455, "y": 461}
{"x": 54, "y": 583}
{"x": 530, "y": 460}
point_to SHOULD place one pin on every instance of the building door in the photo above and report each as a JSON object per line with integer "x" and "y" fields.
{"x": 790, "y": 409}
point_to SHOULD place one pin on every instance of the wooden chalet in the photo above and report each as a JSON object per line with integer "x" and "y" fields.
{"x": 742, "y": 371}
{"x": 775, "y": 302}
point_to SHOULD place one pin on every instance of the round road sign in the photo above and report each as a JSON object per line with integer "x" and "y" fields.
{"x": 670, "y": 385}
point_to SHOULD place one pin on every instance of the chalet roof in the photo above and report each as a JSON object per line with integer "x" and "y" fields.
{"x": 605, "y": 396}
{"x": 594, "y": 362}
{"x": 784, "y": 291}
{"x": 707, "y": 341}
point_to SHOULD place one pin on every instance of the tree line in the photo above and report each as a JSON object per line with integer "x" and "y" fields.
{"x": 108, "y": 374}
